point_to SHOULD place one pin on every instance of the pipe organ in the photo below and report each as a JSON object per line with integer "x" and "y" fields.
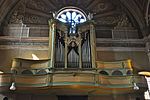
{"x": 72, "y": 47}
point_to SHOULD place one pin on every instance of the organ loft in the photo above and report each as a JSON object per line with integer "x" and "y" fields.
{"x": 74, "y": 50}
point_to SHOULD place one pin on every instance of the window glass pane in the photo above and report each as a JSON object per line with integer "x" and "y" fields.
{"x": 63, "y": 16}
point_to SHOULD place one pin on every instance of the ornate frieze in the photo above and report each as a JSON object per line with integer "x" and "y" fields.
{"x": 18, "y": 17}
{"x": 123, "y": 21}
{"x": 34, "y": 19}
{"x": 117, "y": 20}
{"x": 20, "y": 14}
{"x": 109, "y": 20}
{"x": 102, "y": 6}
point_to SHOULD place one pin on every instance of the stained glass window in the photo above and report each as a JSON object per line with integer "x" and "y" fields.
{"x": 71, "y": 16}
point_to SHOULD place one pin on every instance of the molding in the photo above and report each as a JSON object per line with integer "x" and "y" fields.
{"x": 41, "y": 43}
{"x": 107, "y": 40}
{"x": 121, "y": 49}
{"x": 38, "y": 47}
{"x": 23, "y": 39}
{"x": 45, "y": 39}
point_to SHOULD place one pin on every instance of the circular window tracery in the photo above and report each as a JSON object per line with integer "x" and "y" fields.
{"x": 71, "y": 16}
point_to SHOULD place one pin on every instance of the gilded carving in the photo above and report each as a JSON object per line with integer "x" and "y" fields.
{"x": 72, "y": 41}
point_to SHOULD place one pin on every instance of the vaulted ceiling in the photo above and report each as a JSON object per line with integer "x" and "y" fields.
{"x": 106, "y": 12}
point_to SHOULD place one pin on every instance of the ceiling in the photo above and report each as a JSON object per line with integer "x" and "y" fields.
{"x": 107, "y": 13}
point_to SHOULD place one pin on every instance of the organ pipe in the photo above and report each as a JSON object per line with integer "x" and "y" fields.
{"x": 72, "y": 50}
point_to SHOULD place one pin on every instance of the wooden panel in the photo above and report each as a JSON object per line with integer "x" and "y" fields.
{"x": 109, "y": 65}
{"x": 29, "y": 63}
{"x": 31, "y": 79}
{"x": 40, "y": 65}
{"x": 121, "y": 80}
{"x": 73, "y": 78}
{"x": 115, "y": 64}
{"x": 5, "y": 78}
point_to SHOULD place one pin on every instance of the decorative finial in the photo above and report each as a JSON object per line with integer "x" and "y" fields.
{"x": 54, "y": 15}
{"x": 90, "y": 16}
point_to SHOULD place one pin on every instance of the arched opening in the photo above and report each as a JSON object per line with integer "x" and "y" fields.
{"x": 5, "y": 98}
{"x": 41, "y": 72}
{"x": 27, "y": 72}
{"x": 103, "y": 73}
{"x": 117, "y": 72}
{"x": 129, "y": 72}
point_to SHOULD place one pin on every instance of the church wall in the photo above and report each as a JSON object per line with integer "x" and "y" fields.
{"x": 8, "y": 54}
{"x": 22, "y": 30}
{"x": 139, "y": 58}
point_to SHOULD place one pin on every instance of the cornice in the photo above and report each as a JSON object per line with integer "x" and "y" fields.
{"x": 41, "y": 43}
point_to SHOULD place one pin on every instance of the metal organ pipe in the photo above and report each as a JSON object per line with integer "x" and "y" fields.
{"x": 89, "y": 52}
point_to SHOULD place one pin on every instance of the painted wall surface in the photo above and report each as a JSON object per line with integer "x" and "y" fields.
{"x": 139, "y": 58}
{"x": 6, "y": 55}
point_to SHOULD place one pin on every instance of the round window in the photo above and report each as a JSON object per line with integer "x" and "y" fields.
{"x": 71, "y": 16}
